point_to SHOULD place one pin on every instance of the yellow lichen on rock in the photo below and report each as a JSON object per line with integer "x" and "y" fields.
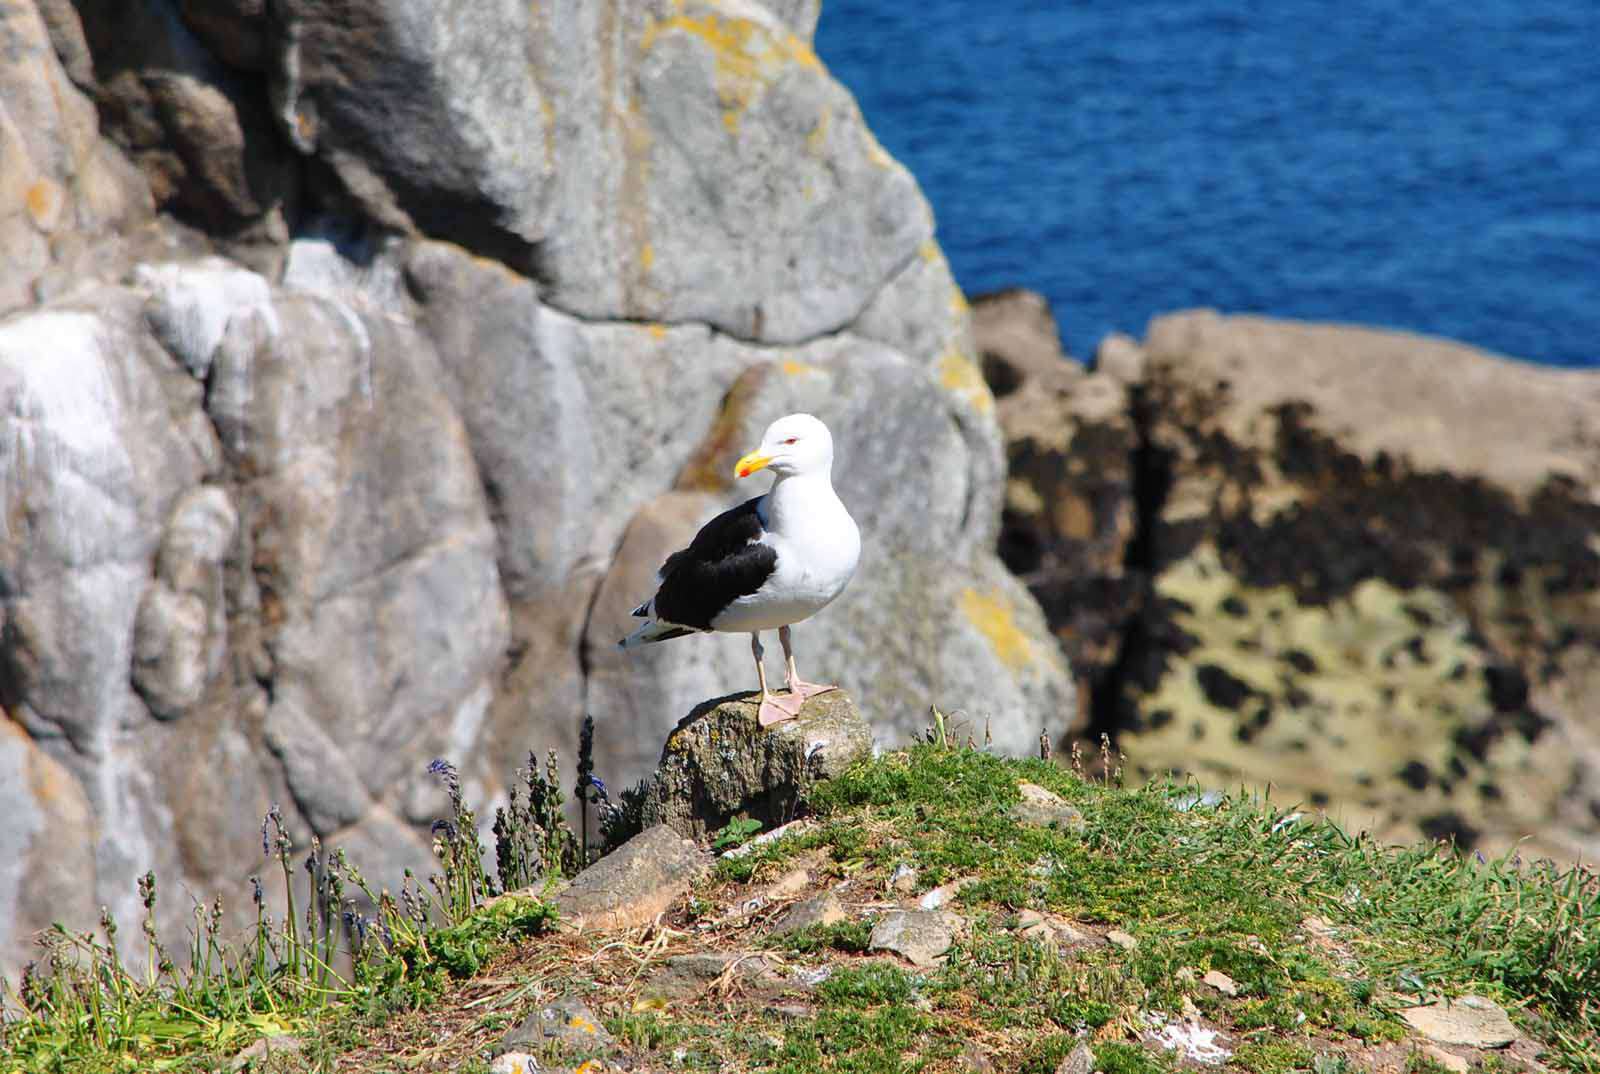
{"x": 817, "y": 138}
{"x": 749, "y": 56}
{"x": 45, "y": 200}
{"x": 1361, "y": 704}
{"x": 960, "y": 376}
{"x": 995, "y": 619}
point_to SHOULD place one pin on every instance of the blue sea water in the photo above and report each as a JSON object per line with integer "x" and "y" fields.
{"x": 1432, "y": 165}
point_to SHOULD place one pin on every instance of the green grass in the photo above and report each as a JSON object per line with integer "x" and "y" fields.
{"x": 92, "y": 1006}
{"x": 1229, "y": 885}
{"x": 1228, "y": 888}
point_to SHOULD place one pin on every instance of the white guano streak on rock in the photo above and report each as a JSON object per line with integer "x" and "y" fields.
{"x": 61, "y": 403}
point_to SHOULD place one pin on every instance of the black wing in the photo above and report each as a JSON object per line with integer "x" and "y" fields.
{"x": 724, "y": 562}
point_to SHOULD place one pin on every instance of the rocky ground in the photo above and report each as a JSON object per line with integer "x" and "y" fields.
{"x": 943, "y": 910}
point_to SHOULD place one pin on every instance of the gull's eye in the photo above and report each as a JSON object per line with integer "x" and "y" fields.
{"x": 792, "y": 440}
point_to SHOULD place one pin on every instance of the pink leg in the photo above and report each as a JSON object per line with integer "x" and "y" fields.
{"x": 798, "y": 687}
{"x": 771, "y": 709}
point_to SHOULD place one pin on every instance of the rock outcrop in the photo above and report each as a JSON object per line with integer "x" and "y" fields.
{"x": 360, "y": 360}
{"x": 1374, "y": 573}
{"x": 720, "y": 763}
{"x": 1356, "y": 565}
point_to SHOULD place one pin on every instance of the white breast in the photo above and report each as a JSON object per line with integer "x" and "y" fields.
{"x": 818, "y": 547}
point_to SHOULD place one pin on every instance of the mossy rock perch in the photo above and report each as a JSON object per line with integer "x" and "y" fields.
{"x": 719, "y": 763}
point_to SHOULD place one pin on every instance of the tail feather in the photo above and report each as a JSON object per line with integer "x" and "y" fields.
{"x": 653, "y": 631}
{"x": 643, "y": 610}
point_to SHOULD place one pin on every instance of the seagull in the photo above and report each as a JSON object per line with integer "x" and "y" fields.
{"x": 768, "y": 563}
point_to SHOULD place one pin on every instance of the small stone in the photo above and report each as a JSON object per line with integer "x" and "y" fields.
{"x": 945, "y": 892}
{"x": 1050, "y": 931}
{"x": 634, "y": 883}
{"x": 1222, "y": 983}
{"x": 1185, "y": 975}
{"x": 921, "y": 937}
{"x": 568, "y": 1024}
{"x": 903, "y": 879}
{"x": 1118, "y": 938}
{"x": 1448, "y": 1060}
{"x": 1070, "y": 935}
{"x": 682, "y": 976}
{"x": 264, "y": 1049}
{"x": 1189, "y": 1010}
{"x": 1046, "y": 809}
{"x": 788, "y": 885}
{"x": 1470, "y": 1020}
{"x": 973, "y": 1061}
{"x": 1078, "y": 1061}
{"x": 514, "y": 1063}
{"x": 825, "y": 909}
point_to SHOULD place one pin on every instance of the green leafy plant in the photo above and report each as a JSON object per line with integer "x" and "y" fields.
{"x": 736, "y": 833}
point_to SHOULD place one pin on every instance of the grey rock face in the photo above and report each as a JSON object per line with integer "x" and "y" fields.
{"x": 202, "y": 134}
{"x": 703, "y": 119}
{"x": 431, "y": 114}
{"x": 322, "y": 471}
{"x": 721, "y": 763}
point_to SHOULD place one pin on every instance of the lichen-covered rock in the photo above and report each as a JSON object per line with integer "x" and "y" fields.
{"x": 1375, "y": 579}
{"x": 566, "y": 1026}
{"x": 720, "y": 763}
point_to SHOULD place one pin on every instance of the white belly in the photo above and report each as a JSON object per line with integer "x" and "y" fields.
{"x": 809, "y": 575}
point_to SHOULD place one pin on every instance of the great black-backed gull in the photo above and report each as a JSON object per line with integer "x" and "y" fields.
{"x": 770, "y": 562}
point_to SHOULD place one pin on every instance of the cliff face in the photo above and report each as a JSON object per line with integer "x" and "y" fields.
{"x": 361, "y": 359}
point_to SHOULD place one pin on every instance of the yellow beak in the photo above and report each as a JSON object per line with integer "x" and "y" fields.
{"x": 750, "y": 464}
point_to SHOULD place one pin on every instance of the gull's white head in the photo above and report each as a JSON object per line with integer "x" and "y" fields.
{"x": 796, "y": 444}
